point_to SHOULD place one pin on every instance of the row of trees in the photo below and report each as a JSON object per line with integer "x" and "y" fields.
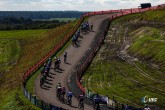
{"x": 41, "y": 14}
{"x": 12, "y": 23}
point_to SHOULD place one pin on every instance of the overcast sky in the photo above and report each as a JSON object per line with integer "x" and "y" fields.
{"x": 80, "y": 5}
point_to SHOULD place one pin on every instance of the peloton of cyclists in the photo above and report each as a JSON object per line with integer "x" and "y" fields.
{"x": 61, "y": 91}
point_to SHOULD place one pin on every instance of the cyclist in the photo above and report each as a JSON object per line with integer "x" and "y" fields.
{"x": 69, "y": 97}
{"x": 65, "y": 56}
{"x": 81, "y": 100}
{"x": 91, "y": 26}
{"x": 63, "y": 92}
{"x": 58, "y": 85}
{"x": 55, "y": 63}
{"x": 59, "y": 90}
{"x": 96, "y": 101}
{"x": 59, "y": 62}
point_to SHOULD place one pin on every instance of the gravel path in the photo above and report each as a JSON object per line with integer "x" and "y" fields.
{"x": 74, "y": 55}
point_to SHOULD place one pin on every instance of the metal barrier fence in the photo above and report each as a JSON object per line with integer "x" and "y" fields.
{"x": 74, "y": 79}
{"x": 39, "y": 103}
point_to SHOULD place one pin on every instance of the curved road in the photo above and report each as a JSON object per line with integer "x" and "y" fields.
{"x": 48, "y": 94}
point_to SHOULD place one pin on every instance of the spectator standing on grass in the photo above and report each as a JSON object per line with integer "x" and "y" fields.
{"x": 65, "y": 56}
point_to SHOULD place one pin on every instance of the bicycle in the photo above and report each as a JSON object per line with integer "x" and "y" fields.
{"x": 63, "y": 97}
{"x": 96, "y": 106}
{"x": 59, "y": 95}
{"x": 69, "y": 101}
{"x": 81, "y": 105}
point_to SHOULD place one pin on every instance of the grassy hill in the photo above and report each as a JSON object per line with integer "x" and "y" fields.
{"x": 130, "y": 64}
{"x": 19, "y": 51}
{"x": 149, "y": 44}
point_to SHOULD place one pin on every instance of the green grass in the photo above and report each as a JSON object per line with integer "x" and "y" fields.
{"x": 60, "y": 19}
{"x": 34, "y": 45}
{"x": 112, "y": 78}
{"x": 64, "y": 19}
{"x": 9, "y": 53}
{"x": 17, "y": 101}
{"x": 149, "y": 44}
{"x": 31, "y": 80}
{"x": 155, "y": 15}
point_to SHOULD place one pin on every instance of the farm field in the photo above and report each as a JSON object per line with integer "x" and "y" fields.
{"x": 130, "y": 65}
{"x": 20, "y": 50}
{"x": 63, "y": 19}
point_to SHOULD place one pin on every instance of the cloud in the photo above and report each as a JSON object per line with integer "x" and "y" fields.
{"x": 82, "y": 5}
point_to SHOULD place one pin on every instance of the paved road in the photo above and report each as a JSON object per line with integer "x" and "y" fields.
{"x": 74, "y": 55}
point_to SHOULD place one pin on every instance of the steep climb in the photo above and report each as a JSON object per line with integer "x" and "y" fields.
{"x": 74, "y": 54}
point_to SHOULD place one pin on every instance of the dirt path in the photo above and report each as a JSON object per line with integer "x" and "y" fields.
{"x": 74, "y": 55}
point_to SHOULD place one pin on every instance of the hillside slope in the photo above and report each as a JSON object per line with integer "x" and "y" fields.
{"x": 130, "y": 64}
{"x": 32, "y": 45}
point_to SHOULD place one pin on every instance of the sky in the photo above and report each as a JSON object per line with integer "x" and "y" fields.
{"x": 79, "y": 5}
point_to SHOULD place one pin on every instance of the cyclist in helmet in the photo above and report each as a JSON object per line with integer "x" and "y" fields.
{"x": 63, "y": 92}
{"x": 81, "y": 100}
{"x": 69, "y": 97}
{"x": 58, "y": 90}
{"x": 58, "y": 85}
{"x": 96, "y": 101}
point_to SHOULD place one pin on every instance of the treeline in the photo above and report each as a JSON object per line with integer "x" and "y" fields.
{"x": 41, "y": 14}
{"x": 12, "y": 23}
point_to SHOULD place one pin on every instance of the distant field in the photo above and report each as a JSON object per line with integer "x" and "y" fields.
{"x": 60, "y": 19}
{"x": 64, "y": 19}
{"x": 24, "y": 47}
{"x": 141, "y": 74}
